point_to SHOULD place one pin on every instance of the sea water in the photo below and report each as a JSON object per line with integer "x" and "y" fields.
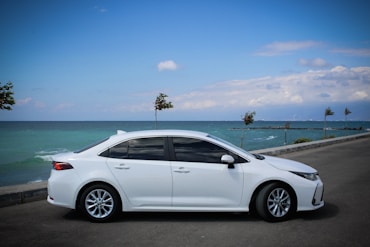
{"x": 26, "y": 148}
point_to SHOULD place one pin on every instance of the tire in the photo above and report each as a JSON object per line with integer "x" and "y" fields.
{"x": 100, "y": 203}
{"x": 276, "y": 202}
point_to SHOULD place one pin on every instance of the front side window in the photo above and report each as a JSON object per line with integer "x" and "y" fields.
{"x": 194, "y": 150}
{"x": 141, "y": 149}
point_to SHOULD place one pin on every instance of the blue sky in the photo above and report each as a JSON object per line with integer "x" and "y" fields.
{"x": 216, "y": 60}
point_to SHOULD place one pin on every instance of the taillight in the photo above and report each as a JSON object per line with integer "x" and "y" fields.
{"x": 59, "y": 166}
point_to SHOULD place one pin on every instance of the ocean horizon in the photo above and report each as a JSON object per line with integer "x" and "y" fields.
{"x": 26, "y": 147}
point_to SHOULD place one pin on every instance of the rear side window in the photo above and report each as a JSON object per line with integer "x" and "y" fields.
{"x": 141, "y": 149}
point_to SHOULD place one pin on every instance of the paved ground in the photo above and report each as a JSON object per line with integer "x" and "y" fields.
{"x": 343, "y": 221}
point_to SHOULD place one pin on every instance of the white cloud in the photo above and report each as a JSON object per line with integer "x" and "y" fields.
{"x": 139, "y": 107}
{"x": 201, "y": 104}
{"x": 296, "y": 99}
{"x": 339, "y": 84}
{"x": 281, "y": 48}
{"x": 29, "y": 100}
{"x": 359, "y": 95}
{"x": 317, "y": 62}
{"x": 100, "y": 9}
{"x": 63, "y": 106}
{"x": 167, "y": 65}
{"x": 24, "y": 101}
{"x": 353, "y": 52}
{"x": 39, "y": 104}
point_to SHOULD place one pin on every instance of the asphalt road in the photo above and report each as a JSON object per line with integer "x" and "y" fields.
{"x": 343, "y": 221}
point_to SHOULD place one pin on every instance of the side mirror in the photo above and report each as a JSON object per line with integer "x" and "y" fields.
{"x": 229, "y": 160}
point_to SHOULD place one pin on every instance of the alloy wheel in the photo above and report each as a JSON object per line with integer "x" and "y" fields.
{"x": 99, "y": 203}
{"x": 279, "y": 202}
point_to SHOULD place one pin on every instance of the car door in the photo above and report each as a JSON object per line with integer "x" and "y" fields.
{"x": 200, "y": 180}
{"x": 142, "y": 170}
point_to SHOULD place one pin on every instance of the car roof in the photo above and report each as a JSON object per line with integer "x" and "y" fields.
{"x": 152, "y": 133}
{"x": 123, "y": 136}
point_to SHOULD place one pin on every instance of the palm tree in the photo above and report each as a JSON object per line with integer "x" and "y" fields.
{"x": 6, "y": 96}
{"x": 328, "y": 112}
{"x": 346, "y": 112}
{"x": 161, "y": 104}
{"x": 248, "y": 119}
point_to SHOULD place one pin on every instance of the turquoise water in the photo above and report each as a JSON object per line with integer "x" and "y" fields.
{"x": 26, "y": 147}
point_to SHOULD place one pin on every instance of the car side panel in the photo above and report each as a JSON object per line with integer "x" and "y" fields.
{"x": 206, "y": 185}
{"x": 145, "y": 183}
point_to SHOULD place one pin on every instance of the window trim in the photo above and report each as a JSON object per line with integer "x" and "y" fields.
{"x": 166, "y": 154}
{"x": 169, "y": 150}
{"x": 173, "y": 154}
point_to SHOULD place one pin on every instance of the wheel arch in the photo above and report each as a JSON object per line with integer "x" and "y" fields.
{"x": 252, "y": 203}
{"x": 83, "y": 188}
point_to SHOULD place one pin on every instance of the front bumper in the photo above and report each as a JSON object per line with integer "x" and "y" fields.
{"x": 310, "y": 195}
{"x": 319, "y": 195}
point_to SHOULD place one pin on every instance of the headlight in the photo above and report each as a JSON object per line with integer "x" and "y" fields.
{"x": 309, "y": 176}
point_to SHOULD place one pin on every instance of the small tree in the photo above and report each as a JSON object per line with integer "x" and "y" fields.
{"x": 328, "y": 112}
{"x": 346, "y": 112}
{"x": 248, "y": 119}
{"x": 6, "y": 96}
{"x": 161, "y": 104}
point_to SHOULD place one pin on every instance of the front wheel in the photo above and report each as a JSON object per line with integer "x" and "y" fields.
{"x": 100, "y": 203}
{"x": 276, "y": 202}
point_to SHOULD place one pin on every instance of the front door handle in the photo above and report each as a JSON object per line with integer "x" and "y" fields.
{"x": 181, "y": 170}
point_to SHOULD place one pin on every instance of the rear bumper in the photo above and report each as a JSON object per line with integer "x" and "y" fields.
{"x": 51, "y": 200}
{"x": 62, "y": 189}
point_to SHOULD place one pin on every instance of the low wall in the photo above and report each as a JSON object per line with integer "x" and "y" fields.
{"x": 17, "y": 194}
{"x": 309, "y": 145}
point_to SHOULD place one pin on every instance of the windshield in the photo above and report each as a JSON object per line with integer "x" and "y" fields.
{"x": 230, "y": 144}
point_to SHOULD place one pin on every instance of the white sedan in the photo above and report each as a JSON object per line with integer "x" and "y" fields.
{"x": 177, "y": 170}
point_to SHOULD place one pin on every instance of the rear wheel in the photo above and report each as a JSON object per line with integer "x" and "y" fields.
{"x": 276, "y": 202}
{"x": 100, "y": 203}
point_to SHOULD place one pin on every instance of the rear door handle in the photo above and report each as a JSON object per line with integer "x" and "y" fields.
{"x": 122, "y": 167}
{"x": 181, "y": 170}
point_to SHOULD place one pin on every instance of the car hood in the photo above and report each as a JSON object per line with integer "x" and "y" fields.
{"x": 288, "y": 165}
